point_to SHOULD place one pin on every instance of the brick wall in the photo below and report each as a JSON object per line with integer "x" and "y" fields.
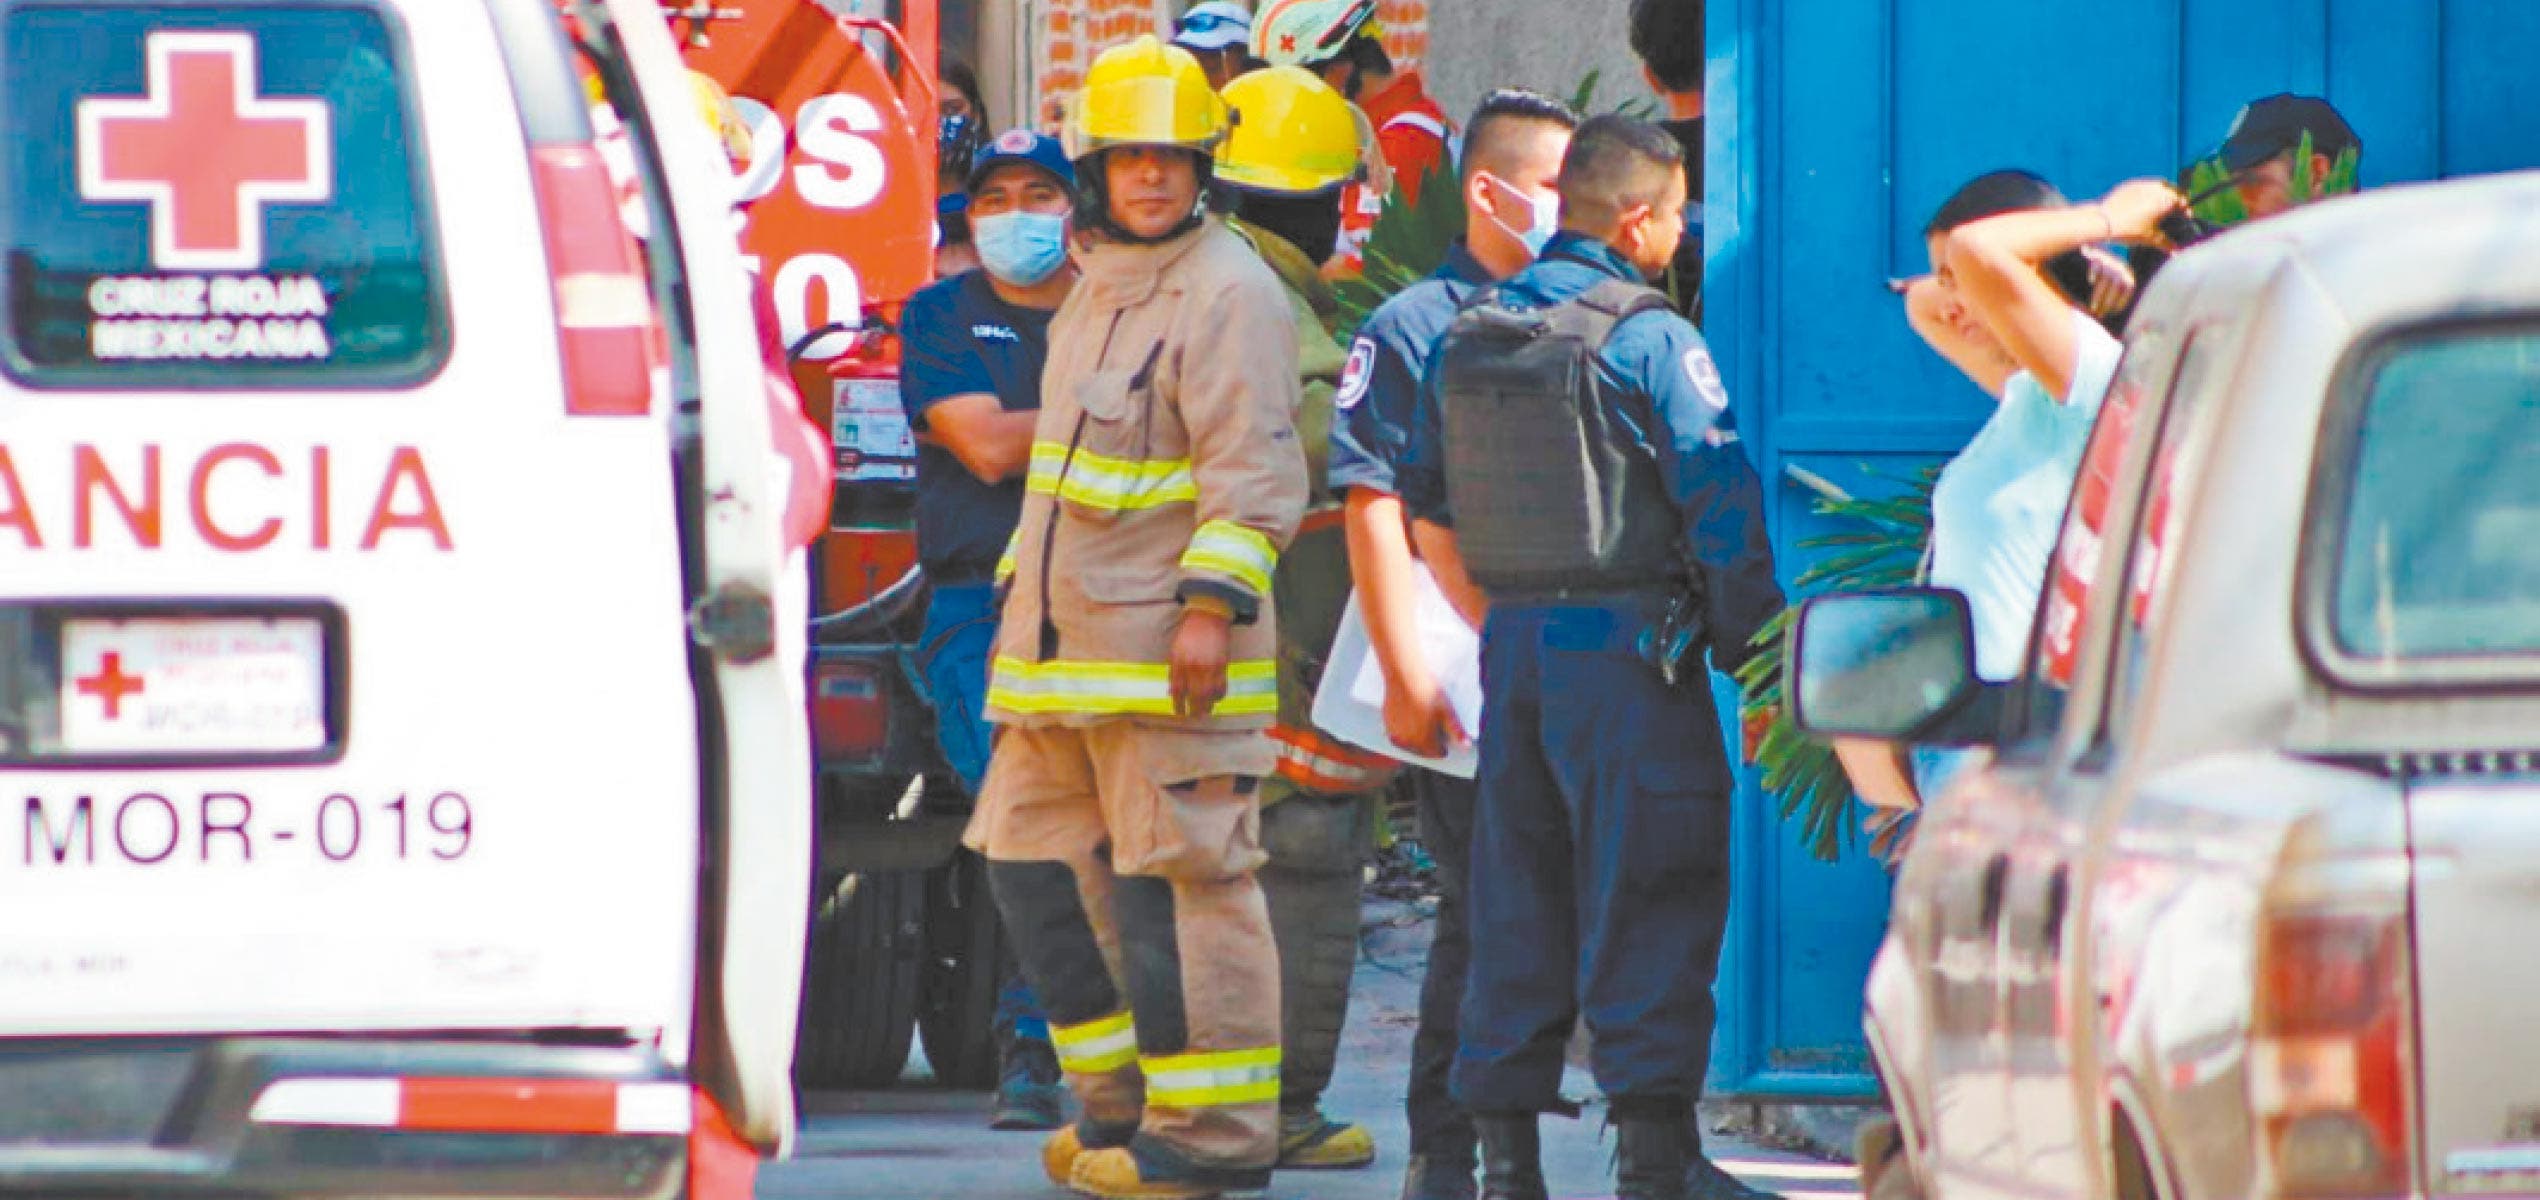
{"x": 1070, "y": 33}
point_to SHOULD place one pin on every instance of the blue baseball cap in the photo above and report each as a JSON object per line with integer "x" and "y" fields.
{"x": 1027, "y": 148}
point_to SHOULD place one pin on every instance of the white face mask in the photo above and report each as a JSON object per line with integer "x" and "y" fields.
{"x": 1546, "y": 210}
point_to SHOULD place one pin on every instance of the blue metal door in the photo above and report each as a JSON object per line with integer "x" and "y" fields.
{"x": 1836, "y": 127}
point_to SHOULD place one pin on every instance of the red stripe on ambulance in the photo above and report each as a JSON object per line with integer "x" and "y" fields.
{"x": 219, "y": 500}
{"x": 567, "y": 1106}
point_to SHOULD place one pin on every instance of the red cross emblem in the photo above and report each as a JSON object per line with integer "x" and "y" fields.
{"x": 110, "y": 684}
{"x": 205, "y": 152}
{"x": 1287, "y": 43}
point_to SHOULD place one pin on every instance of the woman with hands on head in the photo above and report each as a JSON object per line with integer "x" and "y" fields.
{"x": 2021, "y": 281}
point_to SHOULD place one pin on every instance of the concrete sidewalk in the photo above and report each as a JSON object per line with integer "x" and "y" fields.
{"x": 918, "y": 1143}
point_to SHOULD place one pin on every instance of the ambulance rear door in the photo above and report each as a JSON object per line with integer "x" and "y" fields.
{"x": 749, "y": 595}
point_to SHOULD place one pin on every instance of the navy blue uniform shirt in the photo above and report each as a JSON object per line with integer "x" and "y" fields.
{"x": 1380, "y": 388}
{"x": 958, "y": 338}
{"x": 1659, "y": 357}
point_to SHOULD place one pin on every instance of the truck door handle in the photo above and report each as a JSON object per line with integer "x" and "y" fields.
{"x": 1997, "y": 871}
{"x": 2058, "y": 898}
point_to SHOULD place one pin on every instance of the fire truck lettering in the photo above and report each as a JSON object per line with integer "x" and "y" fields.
{"x": 245, "y": 810}
{"x": 40, "y": 832}
{"x": 200, "y": 496}
{"x": 828, "y": 129}
{"x": 406, "y": 465}
{"x": 173, "y": 834}
{"x": 15, "y": 512}
{"x": 791, "y": 291}
{"x": 89, "y": 476}
{"x": 767, "y": 148}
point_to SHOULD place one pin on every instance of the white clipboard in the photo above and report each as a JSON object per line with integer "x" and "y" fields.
{"x": 1350, "y": 703}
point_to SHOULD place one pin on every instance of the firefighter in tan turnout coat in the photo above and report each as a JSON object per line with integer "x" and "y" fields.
{"x": 1135, "y": 670}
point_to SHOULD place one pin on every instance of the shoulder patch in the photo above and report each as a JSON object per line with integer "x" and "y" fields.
{"x": 1705, "y": 375}
{"x": 1357, "y": 374}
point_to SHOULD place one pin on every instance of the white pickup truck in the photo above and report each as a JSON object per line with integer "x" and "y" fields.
{"x": 2244, "y": 902}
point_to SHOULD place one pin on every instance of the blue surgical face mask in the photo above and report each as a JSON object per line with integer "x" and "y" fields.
{"x": 1020, "y": 248}
{"x": 1547, "y": 216}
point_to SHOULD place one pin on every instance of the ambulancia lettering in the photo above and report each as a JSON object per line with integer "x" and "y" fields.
{"x": 233, "y": 497}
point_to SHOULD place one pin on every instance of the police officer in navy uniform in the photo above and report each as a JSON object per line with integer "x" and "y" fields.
{"x": 971, "y": 380}
{"x": 1603, "y": 827}
{"x": 1511, "y": 158}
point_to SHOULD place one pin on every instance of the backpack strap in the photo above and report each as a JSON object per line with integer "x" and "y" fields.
{"x": 1614, "y": 301}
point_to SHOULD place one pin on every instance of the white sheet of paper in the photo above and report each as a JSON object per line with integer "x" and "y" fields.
{"x": 1350, "y": 704}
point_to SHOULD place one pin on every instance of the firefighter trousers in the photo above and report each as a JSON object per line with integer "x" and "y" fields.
{"x": 1122, "y": 859}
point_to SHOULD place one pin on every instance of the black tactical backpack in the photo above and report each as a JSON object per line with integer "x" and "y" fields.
{"x": 1552, "y": 493}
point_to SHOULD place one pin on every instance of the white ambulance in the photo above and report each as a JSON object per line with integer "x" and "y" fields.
{"x": 403, "y": 768}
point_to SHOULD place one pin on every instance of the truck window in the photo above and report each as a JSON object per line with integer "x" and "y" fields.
{"x": 214, "y": 196}
{"x": 2174, "y": 472}
{"x": 2439, "y": 548}
{"x": 2065, "y": 605}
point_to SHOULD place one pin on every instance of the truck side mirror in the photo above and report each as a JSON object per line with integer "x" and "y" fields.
{"x": 1893, "y": 665}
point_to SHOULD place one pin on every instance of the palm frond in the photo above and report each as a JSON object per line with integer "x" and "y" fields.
{"x": 1878, "y": 544}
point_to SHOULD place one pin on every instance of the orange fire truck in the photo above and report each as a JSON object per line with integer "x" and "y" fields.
{"x": 839, "y": 195}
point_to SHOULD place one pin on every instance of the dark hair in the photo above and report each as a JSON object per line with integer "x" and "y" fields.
{"x": 1507, "y": 107}
{"x": 1991, "y": 195}
{"x": 958, "y": 76}
{"x": 1368, "y": 55}
{"x": 2012, "y": 190}
{"x": 1615, "y": 162}
{"x": 1309, "y": 222}
{"x": 1667, "y": 35}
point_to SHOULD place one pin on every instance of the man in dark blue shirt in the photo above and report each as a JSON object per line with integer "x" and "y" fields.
{"x": 970, "y": 377}
{"x": 1604, "y": 813}
{"x": 1512, "y": 157}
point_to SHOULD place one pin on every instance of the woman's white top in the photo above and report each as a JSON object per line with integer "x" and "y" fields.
{"x": 1999, "y": 503}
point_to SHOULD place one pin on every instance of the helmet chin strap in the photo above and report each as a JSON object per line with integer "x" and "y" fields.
{"x": 1097, "y": 188}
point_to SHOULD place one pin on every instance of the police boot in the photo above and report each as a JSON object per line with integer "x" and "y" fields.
{"x": 1512, "y": 1156}
{"x": 1311, "y": 884}
{"x": 1028, "y": 1090}
{"x": 1705, "y": 1180}
{"x": 1440, "y": 1177}
{"x": 1650, "y": 1157}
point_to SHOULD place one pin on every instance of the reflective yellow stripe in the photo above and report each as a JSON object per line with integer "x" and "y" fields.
{"x": 1213, "y": 1080}
{"x": 1005, "y": 561}
{"x": 1252, "y": 688}
{"x": 1233, "y": 550}
{"x": 1096, "y": 481}
{"x": 1096, "y": 1047}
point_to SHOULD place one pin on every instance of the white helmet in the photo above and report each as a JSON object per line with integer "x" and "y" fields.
{"x": 1304, "y": 33}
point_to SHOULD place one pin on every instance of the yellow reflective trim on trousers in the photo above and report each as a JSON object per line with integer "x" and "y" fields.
{"x": 1233, "y": 550}
{"x": 1098, "y": 481}
{"x": 1213, "y": 1080}
{"x": 1017, "y": 686}
{"x": 1096, "y": 1047}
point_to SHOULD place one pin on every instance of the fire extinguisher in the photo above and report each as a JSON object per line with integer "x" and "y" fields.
{"x": 874, "y": 447}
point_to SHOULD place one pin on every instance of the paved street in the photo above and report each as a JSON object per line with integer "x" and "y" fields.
{"x": 917, "y": 1143}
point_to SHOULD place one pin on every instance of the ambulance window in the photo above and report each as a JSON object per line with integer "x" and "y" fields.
{"x": 215, "y": 196}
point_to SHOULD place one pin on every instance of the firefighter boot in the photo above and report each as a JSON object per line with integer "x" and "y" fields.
{"x": 1311, "y": 883}
{"x": 1512, "y": 1156}
{"x": 1650, "y": 1155}
{"x": 1072, "y": 1143}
